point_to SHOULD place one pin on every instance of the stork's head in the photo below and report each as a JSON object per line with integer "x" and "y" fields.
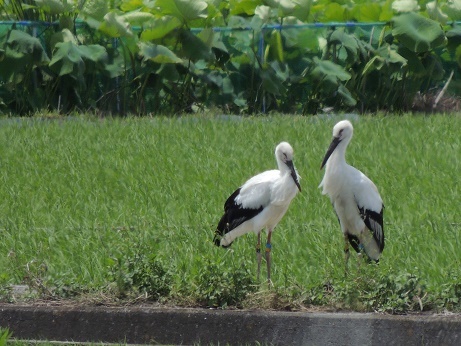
{"x": 342, "y": 133}
{"x": 284, "y": 155}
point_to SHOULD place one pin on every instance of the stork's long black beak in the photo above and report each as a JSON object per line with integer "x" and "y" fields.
{"x": 334, "y": 143}
{"x": 291, "y": 166}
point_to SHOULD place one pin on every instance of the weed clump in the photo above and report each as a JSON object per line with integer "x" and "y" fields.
{"x": 143, "y": 273}
{"x": 385, "y": 292}
{"x": 449, "y": 295}
{"x": 221, "y": 285}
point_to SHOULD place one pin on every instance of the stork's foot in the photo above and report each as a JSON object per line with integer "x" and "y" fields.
{"x": 270, "y": 284}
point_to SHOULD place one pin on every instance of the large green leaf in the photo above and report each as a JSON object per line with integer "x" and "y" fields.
{"x": 375, "y": 63}
{"x": 213, "y": 41}
{"x": 133, "y": 5}
{"x": 454, "y": 38}
{"x": 19, "y": 44}
{"x": 54, "y": 6}
{"x": 159, "y": 28}
{"x": 386, "y": 11}
{"x": 350, "y": 43}
{"x": 158, "y": 53}
{"x": 193, "y": 47}
{"x": 415, "y": 66}
{"x": 453, "y": 9}
{"x": 458, "y": 55}
{"x": 327, "y": 75}
{"x": 284, "y": 7}
{"x": 21, "y": 51}
{"x": 94, "y": 53}
{"x": 115, "y": 66}
{"x": 328, "y": 68}
{"x": 435, "y": 12}
{"x": 138, "y": 18}
{"x": 208, "y": 37}
{"x": 168, "y": 72}
{"x": 67, "y": 60}
{"x": 244, "y": 7}
{"x": 346, "y": 96}
{"x": 115, "y": 25}
{"x": 64, "y": 35}
{"x": 417, "y": 33}
{"x": 66, "y": 22}
{"x": 307, "y": 39}
{"x": 93, "y": 12}
{"x": 302, "y": 9}
{"x": 262, "y": 16}
{"x": 402, "y": 6}
{"x": 369, "y": 12}
{"x": 333, "y": 12}
{"x": 386, "y": 58}
{"x": 271, "y": 83}
{"x": 184, "y": 10}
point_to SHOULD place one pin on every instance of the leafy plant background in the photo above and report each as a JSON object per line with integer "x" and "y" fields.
{"x": 242, "y": 56}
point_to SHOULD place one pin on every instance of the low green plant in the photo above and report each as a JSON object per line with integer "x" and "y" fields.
{"x": 449, "y": 295}
{"x": 220, "y": 284}
{"x": 142, "y": 272}
{"x": 384, "y": 292}
{"x": 398, "y": 293}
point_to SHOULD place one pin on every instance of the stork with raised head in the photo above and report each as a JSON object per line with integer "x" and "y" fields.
{"x": 260, "y": 203}
{"x": 354, "y": 196}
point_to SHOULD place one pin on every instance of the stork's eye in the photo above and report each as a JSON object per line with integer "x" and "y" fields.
{"x": 341, "y": 132}
{"x": 285, "y": 156}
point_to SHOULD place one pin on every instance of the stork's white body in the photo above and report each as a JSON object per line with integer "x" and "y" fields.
{"x": 273, "y": 191}
{"x": 354, "y": 196}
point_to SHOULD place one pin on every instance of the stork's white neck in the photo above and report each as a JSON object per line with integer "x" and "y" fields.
{"x": 338, "y": 157}
{"x": 283, "y": 168}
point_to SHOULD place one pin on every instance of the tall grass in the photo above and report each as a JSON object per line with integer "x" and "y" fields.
{"x": 80, "y": 197}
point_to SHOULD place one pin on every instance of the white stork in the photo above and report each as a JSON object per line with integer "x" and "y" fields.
{"x": 260, "y": 203}
{"x": 355, "y": 198}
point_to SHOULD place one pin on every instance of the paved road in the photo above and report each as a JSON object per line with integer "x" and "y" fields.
{"x": 147, "y": 325}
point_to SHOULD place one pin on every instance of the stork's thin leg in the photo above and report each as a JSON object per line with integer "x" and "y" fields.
{"x": 258, "y": 254}
{"x": 346, "y": 251}
{"x": 268, "y": 256}
{"x": 360, "y": 254}
{"x": 359, "y": 259}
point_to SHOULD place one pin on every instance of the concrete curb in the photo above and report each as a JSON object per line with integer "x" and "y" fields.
{"x": 147, "y": 325}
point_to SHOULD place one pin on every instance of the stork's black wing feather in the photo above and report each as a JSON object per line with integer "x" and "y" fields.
{"x": 374, "y": 222}
{"x": 234, "y": 216}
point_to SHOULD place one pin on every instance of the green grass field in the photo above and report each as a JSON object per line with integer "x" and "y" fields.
{"x": 113, "y": 208}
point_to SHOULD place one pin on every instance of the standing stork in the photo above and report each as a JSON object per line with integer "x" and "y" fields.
{"x": 260, "y": 203}
{"x": 355, "y": 198}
